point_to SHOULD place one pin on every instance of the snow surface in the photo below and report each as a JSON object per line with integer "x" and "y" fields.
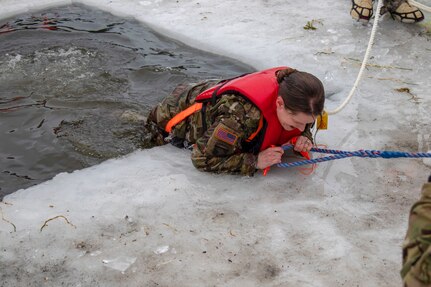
{"x": 151, "y": 219}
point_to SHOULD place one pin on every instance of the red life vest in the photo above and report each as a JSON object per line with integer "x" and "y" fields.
{"x": 260, "y": 88}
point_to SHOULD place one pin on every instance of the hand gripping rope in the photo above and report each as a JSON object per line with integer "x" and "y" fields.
{"x": 339, "y": 154}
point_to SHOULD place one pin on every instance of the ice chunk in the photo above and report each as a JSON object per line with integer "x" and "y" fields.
{"x": 121, "y": 263}
{"x": 162, "y": 249}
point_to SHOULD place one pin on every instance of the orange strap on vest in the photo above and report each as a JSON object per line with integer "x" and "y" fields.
{"x": 197, "y": 107}
{"x": 182, "y": 116}
{"x": 253, "y": 135}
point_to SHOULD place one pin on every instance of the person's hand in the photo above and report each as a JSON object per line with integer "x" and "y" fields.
{"x": 302, "y": 144}
{"x": 269, "y": 157}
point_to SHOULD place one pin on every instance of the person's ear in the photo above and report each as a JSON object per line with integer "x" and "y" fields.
{"x": 279, "y": 102}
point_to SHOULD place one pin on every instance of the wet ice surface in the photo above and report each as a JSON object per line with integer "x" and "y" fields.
{"x": 151, "y": 219}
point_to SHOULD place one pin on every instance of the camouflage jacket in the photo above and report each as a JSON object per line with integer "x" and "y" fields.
{"x": 416, "y": 270}
{"x": 229, "y": 123}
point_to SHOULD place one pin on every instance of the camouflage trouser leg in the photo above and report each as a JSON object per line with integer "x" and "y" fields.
{"x": 416, "y": 270}
{"x": 181, "y": 97}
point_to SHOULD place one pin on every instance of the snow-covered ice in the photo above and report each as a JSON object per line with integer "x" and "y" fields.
{"x": 151, "y": 219}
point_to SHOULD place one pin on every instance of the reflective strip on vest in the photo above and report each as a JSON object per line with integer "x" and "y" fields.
{"x": 182, "y": 116}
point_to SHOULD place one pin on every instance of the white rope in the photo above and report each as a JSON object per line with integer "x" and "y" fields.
{"x": 419, "y": 5}
{"x": 364, "y": 62}
{"x": 367, "y": 53}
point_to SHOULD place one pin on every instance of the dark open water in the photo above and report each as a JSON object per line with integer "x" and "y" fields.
{"x": 75, "y": 84}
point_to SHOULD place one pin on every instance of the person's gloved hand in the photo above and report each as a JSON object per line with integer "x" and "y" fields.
{"x": 429, "y": 179}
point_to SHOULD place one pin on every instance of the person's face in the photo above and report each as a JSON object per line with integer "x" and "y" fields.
{"x": 290, "y": 120}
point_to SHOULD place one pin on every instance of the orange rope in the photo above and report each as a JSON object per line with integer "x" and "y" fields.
{"x": 308, "y": 170}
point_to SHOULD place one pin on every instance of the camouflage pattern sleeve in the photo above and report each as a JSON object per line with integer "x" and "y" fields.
{"x": 416, "y": 270}
{"x": 233, "y": 120}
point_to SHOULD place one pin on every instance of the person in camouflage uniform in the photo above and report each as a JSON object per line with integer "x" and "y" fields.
{"x": 399, "y": 9}
{"x": 236, "y": 115}
{"x": 416, "y": 270}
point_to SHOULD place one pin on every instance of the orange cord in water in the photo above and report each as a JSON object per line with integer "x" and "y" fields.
{"x": 308, "y": 170}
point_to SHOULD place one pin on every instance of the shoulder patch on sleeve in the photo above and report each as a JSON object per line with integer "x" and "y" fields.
{"x": 225, "y": 135}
